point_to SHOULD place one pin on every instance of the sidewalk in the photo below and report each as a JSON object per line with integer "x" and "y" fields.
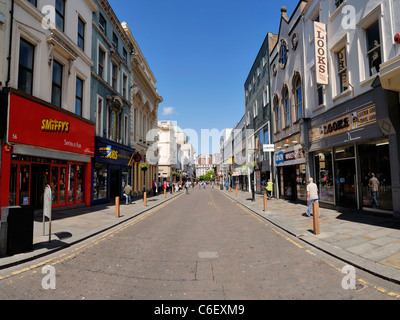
{"x": 72, "y": 226}
{"x": 369, "y": 242}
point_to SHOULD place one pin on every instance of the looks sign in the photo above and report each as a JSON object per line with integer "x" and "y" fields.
{"x": 321, "y": 58}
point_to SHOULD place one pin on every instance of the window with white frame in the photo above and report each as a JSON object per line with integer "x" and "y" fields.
{"x": 266, "y": 96}
{"x": 298, "y": 98}
{"x": 255, "y": 109}
{"x": 101, "y": 67}
{"x": 277, "y": 114}
{"x": 374, "y": 54}
{"x": 126, "y": 130}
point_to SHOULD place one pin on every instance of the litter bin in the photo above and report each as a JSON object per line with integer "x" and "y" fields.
{"x": 16, "y": 230}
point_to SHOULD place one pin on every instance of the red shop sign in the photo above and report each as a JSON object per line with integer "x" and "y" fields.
{"x": 32, "y": 123}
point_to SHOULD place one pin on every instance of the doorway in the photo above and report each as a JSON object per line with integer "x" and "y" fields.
{"x": 39, "y": 179}
{"x": 115, "y": 183}
{"x": 346, "y": 183}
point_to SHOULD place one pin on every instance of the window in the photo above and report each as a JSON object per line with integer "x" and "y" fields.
{"x": 79, "y": 96}
{"x": 56, "y": 88}
{"x": 283, "y": 54}
{"x": 248, "y": 118}
{"x": 102, "y": 58}
{"x": 338, "y": 3}
{"x": 320, "y": 95}
{"x": 299, "y": 99}
{"x": 277, "y": 115}
{"x": 115, "y": 42}
{"x": 125, "y": 87}
{"x": 286, "y": 106}
{"x": 125, "y": 55}
{"x": 81, "y": 34}
{"x": 126, "y": 129}
{"x": 99, "y": 117}
{"x": 114, "y": 76}
{"x": 102, "y": 23}
{"x": 374, "y": 48}
{"x": 25, "y": 76}
{"x": 266, "y": 96}
{"x": 342, "y": 67}
{"x": 34, "y": 2}
{"x": 60, "y": 13}
{"x": 255, "y": 109}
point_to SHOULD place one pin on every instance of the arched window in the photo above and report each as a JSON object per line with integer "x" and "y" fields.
{"x": 299, "y": 98}
{"x": 277, "y": 114}
{"x": 286, "y": 105}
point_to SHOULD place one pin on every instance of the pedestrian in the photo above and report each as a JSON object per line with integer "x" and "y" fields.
{"x": 187, "y": 186}
{"x": 165, "y": 186}
{"x": 374, "y": 185}
{"x": 312, "y": 196}
{"x": 227, "y": 185}
{"x": 154, "y": 188}
{"x": 270, "y": 188}
{"x": 128, "y": 194}
{"x": 170, "y": 187}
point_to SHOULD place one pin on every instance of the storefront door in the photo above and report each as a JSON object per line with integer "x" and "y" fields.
{"x": 346, "y": 183}
{"x": 115, "y": 183}
{"x": 40, "y": 178}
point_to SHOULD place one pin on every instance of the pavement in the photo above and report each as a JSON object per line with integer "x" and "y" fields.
{"x": 72, "y": 226}
{"x": 370, "y": 242}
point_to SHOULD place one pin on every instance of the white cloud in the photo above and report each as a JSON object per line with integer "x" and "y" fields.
{"x": 168, "y": 111}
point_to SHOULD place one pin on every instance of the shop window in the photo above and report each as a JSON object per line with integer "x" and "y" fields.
{"x": 344, "y": 152}
{"x": 71, "y": 183}
{"x": 63, "y": 173}
{"x": 100, "y": 182}
{"x": 324, "y": 176}
{"x": 80, "y": 183}
{"x": 24, "y": 185}
{"x": 54, "y": 185}
{"x": 13, "y": 185}
{"x": 375, "y": 158}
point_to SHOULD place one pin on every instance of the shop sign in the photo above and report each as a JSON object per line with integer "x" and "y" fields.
{"x": 287, "y": 157}
{"x": 34, "y": 124}
{"x": 321, "y": 59}
{"x": 354, "y": 120}
{"x": 113, "y": 153}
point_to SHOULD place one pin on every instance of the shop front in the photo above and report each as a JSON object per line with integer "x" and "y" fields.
{"x": 291, "y": 169}
{"x": 111, "y": 170}
{"x": 45, "y": 146}
{"x": 347, "y": 150}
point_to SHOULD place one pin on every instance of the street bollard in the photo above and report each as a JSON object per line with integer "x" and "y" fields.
{"x": 145, "y": 198}
{"x": 315, "y": 208}
{"x": 236, "y": 192}
{"x": 265, "y": 203}
{"x": 117, "y": 207}
{"x": 230, "y": 190}
{"x": 165, "y": 193}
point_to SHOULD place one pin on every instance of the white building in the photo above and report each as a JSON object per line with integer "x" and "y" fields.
{"x": 351, "y": 120}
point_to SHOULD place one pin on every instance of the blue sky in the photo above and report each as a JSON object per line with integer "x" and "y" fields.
{"x": 201, "y": 53}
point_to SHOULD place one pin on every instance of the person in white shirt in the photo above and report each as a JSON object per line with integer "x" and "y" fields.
{"x": 312, "y": 196}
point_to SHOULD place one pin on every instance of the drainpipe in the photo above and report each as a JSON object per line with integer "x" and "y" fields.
{"x": 10, "y": 45}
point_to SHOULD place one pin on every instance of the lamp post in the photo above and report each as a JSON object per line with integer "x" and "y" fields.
{"x": 144, "y": 167}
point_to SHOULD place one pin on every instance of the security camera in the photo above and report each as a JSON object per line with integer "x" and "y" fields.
{"x": 397, "y": 38}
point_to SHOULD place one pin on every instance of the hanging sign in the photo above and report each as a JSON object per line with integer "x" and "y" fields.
{"x": 321, "y": 58}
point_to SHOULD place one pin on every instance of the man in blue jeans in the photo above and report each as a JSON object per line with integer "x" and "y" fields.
{"x": 312, "y": 196}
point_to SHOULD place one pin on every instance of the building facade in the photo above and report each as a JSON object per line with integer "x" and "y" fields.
{"x": 258, "y": 112}
{"x": 144, "y": 115}
{"x": 110, "y": 105}
{"x": 351, "y": 120}
{"x": 288, "y": 91}
{"x": 49, "y": 136}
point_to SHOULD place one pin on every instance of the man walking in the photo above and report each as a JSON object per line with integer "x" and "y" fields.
{"x": 312, "y": 196}
{"x": 128, "y": 192}
{"x": 374, "y": 185}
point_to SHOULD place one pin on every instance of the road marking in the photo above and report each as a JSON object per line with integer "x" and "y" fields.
{"x": 208, "y": 255}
